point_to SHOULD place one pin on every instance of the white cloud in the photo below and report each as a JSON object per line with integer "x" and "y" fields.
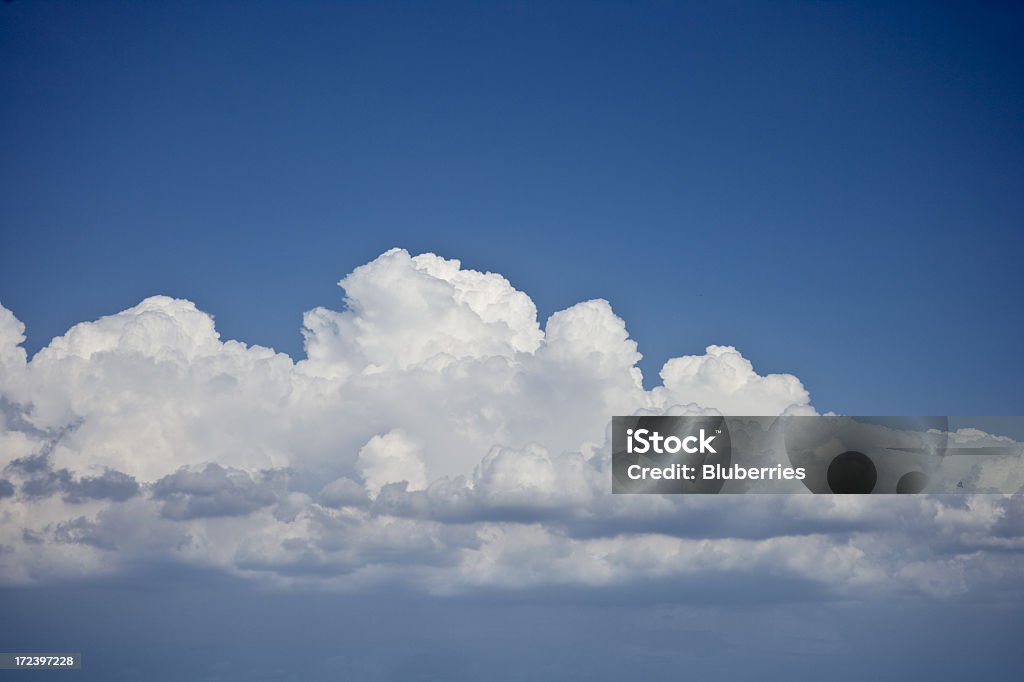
{"x": 406, "y": 311}
{"x": 392, "y": 458}
{"x": 726, "y": 380}
{"x": 435, "y": 435}
{"x": 12, "y": 335}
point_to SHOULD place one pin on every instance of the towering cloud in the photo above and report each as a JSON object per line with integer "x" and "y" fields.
{"x": 434, "y": 435}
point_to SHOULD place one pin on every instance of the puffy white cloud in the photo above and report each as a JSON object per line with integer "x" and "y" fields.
{"x": 724, "y": 379}
{"x": 405, "y": 311}
{"x": 435, "y": 435}
{"x": 12, "y": 335}
{"x": 533, "y": 478}
{"x": 392, "y": 458}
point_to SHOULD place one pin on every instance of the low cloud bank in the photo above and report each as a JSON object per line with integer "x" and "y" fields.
{"x": 434, "y": 436}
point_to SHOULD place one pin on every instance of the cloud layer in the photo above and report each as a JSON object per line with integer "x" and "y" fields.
{"x": 435, "y": 435}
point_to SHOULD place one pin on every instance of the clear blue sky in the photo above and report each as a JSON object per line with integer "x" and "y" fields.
{"x": 835, "y": 188}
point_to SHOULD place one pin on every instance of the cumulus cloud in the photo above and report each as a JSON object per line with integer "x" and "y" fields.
{"x": 724, "y": 378}
{"x": 436, "y": 435}
{"x": 392, "y": 458}
{"x": 12, "y": 335}
{"x": 215, "y": 491}
{"x": 405, "y": 311}
{"x": 38, "y": 479}
{"x": 343, "y": 492}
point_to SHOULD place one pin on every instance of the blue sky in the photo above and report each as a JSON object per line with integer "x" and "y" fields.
{"x": 834, "y": 189}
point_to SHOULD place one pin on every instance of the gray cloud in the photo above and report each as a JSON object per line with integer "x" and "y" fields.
{"x": 216, "y": 491}
{"x": 343, "y": 492}
{"x": 31, "y": 537}
{"x": 83, "y": 531}
{"x": 40, "y": 480}
{"x": 110, "y": 485}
